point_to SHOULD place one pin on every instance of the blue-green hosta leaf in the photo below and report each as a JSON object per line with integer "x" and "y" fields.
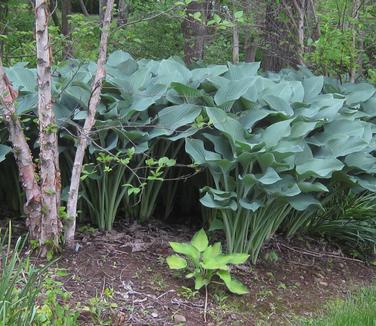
{"x": 171, "y": 70}
{"x": 200, "y": 74}
{"x": 192, "y": 95}
{"x": 362, "y": 161}
{"x": 319, "y": 167}
{"x": 289, "y": 146}
{"x": 242, "y": 70}
{"x": 367, "y": 182}
{"x": 312, "y": 187}
{"x": 173, "y": 117}
{"x": 232, "y": 91}
{"x": 186, "y": 249}
{"x": 4, "y": 150}
{"x": 303, "y": 201}
{"x": 250, "y": 205}
{"x": 208, "y": 201}
{"x": 223, "y": 122}
{"x": 253, "y": 116}
{"x": 297, "y": 95}
{"x": 79, "y": 94}
{"x": 312, "y": 87}
{"x": 369, "y": 106}
{"x": 195, "y": 148}
{"x": 123, "y": 62}
{"x": 302, "y": 128}
{"x": 270, "y": 177}
{"x": 346, "y": 145}
{"x": 143, "y": 100}
{"x": 22, "y": 78}
{"x": 26, "y": 103}
{"x": 233, "y": 285}
{"x": 221, "y": 145}
{"x": 274, "y": 133}
{"x": 286, "y": 187}
{"x": 176, "y": 262}
{"x": 200, "y": 241}
{"x": 358, "y": 93}
{"x": 279, "y": 104}
{"x": 184, "y": 134}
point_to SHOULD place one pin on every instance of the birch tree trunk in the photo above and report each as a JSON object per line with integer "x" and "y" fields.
{"x": 96, "y": 88}
{"x": 22, "y": 154}
{"x": 50, "y": 182}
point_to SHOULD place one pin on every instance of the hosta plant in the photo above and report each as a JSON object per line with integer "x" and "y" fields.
{"x": 204, "y": 262}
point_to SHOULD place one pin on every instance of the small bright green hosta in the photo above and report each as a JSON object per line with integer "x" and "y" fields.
{"x": 206, "y": 261}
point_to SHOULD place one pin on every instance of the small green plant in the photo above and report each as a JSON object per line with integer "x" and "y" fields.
{"x": 101, "y": 307}
{"x": 187, "y": 293}
{"x": 20, "y": 283}
{"x": 206, "y": 261}
{"x": 55, "y": 309}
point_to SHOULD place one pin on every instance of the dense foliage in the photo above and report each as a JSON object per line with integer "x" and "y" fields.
{"x": 269, "y": 144}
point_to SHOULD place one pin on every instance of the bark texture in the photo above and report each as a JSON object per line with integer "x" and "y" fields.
{"x": 356, "y": 4}
{"x": 284, "y": 38}
{"x": 66, "y": 10}
{"x": 123, "y": 13}
{"x": 195, "y": 32}
{"x": 50, "y": 182}
{"x": 96, "y": 88}
{"x": 23, "y": 156}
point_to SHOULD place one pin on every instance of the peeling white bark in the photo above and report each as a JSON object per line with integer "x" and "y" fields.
{"x": 49, "y": 156}
{"x": 96, "y": 88}
{"x": 23, "y": 156}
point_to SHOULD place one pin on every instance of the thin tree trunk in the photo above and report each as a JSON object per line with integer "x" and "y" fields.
{"x": 123, "y": 13}
{"x": 300, "y": 10}
{"x": 50, "y": 182}
{"x": 96, "y": 88}
{"x": 316, "y": 33}
{"x": 235, "y": 43}
{"x": 83, "y": 8}
{"x": 53, "y": 11}
{"x": 102, "y": 10}
{"x": 250, "y": 49}
{"x": 194, "y": 31}
{"x": 355, "y": 16}
{"x": 23, "y": 156}
{"x": 66, "y": 10}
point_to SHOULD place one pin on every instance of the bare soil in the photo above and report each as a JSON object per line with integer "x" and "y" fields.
{"x": 126, "y": 268}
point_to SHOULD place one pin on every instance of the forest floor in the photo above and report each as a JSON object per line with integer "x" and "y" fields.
{"x": 126, "y": 272}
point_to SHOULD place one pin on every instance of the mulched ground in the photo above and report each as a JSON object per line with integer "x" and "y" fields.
{"x": 292, "y": 280}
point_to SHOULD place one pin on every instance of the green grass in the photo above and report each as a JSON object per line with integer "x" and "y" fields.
{"x": 357, "y": 309}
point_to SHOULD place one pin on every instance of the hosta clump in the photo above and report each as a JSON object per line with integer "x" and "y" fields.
{"x": 206, "y": 261}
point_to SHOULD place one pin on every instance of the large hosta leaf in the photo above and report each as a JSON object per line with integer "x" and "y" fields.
{"x": 174, "y": 117}
{"x": 312, "y": 87}
{"x": 319, "y": 167}
{"x": 232, "y": 91}
{"x": 195, "y": 148}
{"x": 4, "y": 150}
{"x": 223, "y": 122}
